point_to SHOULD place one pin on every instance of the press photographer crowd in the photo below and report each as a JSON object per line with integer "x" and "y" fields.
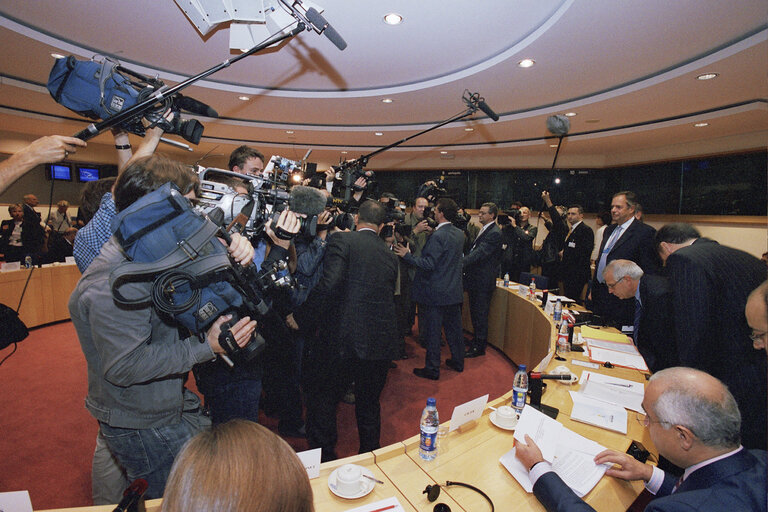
{"x": 287, "y": 289}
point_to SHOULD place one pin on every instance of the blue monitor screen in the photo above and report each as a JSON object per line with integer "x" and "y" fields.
{"x": 87, "y": 174}
{"x": 61, "y": 172}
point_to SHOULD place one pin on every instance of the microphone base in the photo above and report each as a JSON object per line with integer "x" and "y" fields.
{"x": 550, "y": 411}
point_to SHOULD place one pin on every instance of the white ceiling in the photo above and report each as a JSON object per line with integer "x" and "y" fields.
{"x": 627, "y": 68}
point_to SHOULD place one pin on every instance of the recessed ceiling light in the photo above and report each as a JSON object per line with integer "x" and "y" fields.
{"x": 387, "y": 100}
{"x": 700, "y": 125}
{"x": 526, "y": 63}
{"x": 244, "y": 98}
{"x": 707, "y": 76}
{"x": 289, "y": 132}
{"x": 378, "y": 134}
{"x": 553, "y": 145}
{"x": 592, "y": 121}
{"x": 557, "y": 181}
{"x": 57, "y": 56}
{"x": 443, "y": 152}
{"x": 393, "y": 19}
{"x": 244, "y": 49}
{"x": 570, "y": 114}
{"x": 343, "y": 152}
{"x": 469, "y": 129}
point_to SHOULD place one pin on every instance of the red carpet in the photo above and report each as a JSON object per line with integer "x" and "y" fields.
{"x": 47, "y": 437}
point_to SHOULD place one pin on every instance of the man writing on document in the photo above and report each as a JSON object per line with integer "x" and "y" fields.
{"x": 694, "y": 422}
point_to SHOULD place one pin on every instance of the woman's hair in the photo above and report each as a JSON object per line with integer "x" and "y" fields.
{"x": 238, "y": 466}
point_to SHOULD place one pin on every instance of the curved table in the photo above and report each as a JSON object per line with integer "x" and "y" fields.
{"x": 47, "y": 294}
{"x": 525, "y": 333}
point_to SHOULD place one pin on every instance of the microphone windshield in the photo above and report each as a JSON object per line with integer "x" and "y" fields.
{"x": 482, "y": 105}
{"x": 322, "y": 26}
{"x": 194, "y": 106}
{"x": 558, "y": 125}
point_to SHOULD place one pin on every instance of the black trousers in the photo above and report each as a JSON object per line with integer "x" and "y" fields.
{"x": 326, "y": 378}
{"x": 479, "y": 305}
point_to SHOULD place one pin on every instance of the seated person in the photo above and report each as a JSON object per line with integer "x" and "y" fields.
{"x": 238, "y": 466}
{"x": 59, "y": 246}
{"x": 694, "y": 422}
{"x": 11, "y": 245}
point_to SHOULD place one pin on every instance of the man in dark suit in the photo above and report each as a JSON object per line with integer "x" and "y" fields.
{"x": 437, "y": 290}
{"x": 575, "y": 268}
{"x": 59, "y": 245}
{"x": 654, "y": 332}
{"x": 353, "y": 304}
{"x": 710, "y": 286}
{"x": 481, "y": 266}
{"x": 693, "y": 420}
{"x": 627, "y": 239}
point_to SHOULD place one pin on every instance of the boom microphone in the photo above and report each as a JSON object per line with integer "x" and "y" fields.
{"x": 482, "y": 105}
{"x": 195, "y": 107}
{"x": 323, "y": 27}
{"x": 558, "y": 125}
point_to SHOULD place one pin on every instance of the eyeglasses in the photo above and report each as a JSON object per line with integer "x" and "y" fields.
{"x": 612, "y": 285}
{"x": 645, "y": 421}
{"x": 757, "y": 336}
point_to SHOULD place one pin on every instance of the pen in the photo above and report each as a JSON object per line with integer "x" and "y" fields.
{"x": 620, "y": 385}
{"x": 388, "y": 507}
{"x": 378, "y": 482}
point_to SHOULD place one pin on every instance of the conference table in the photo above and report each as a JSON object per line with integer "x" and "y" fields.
{"x": 47, "y": 292}
{"x": 471, "y": 454}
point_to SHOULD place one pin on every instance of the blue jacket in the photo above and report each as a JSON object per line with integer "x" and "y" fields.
{"x": 438, "y": 269}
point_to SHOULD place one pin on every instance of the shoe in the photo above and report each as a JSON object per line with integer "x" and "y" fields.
{"x": 349, "y": 398}
{"x": 300, "y": 432}
{"x": 474, "y": 352}
{"x": 453, "y": 365}
{"x": 425, "y": 374}
{"x": 403, "y": 356}
{"x": 392, "y": 364}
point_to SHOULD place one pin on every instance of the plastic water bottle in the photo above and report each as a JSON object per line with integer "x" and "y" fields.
{"x": 532, "y": 289}
{"x": 430, "y": 423}
{"x": 562, "y": 339}
{"x": 28, "y": 262}
{"x": 520, "y": 389}
{"x": 506, "y": 280}
{"x": 557, "y": 316}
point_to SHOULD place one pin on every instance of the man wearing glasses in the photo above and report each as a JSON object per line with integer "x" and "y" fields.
{"x": 694, "y": 422}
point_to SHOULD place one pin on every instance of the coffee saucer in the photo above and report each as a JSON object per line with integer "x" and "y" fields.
{"x": 503, "y": 427}
{"x": 366, "y": 485}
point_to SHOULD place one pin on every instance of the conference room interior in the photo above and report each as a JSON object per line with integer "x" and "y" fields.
{"x": 664, "y": 100}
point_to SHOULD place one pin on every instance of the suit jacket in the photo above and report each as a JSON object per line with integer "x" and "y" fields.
{"x": 438, "y": 269}
{"x": 6, "y": 229}
{"x": 635, "y": 244}
{"x": 354, "y": 301}
{"x": 481, "y": 265}
{"x": 710, "y": 285}
{"x": 577, "y": 251}
{"x": 656, "y": 339}
{"x": 734, "y": 483}
{"x": 32, "y": 233}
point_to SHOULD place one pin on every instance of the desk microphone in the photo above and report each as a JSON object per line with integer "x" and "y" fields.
{"x": 132, "y": 495}
{"x": 551, "y": 376}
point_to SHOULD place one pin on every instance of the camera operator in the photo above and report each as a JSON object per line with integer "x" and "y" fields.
{"x": 137, "y": 362}
{"x": 246, "y": 160}
{"x": 517, "y": 241}
{"x": 549, "y": 254}
{"x": 420, "y": 231}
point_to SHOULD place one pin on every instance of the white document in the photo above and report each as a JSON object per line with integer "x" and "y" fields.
{"x": 15, "y": 501}
{"x": 10, "y": 267}
{"x": 517, "y": 470}
{"x": 389, "y": 504}
{"x": 311, "y": 461}
{"x": 607, "y": 388}
{"x": 544, "y": 431}
{"x": 467, "y": 412}
{"x": 542, "y": 367}
{"x": 585, "y": 364}
{"x": 612, "y": 345}
{"x": 616, "y": 358}
{"x": 600, "y": 414}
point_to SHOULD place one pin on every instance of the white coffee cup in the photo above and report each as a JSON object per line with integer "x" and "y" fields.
{"x": 349, "y": 479}
{"x": 506, "y": 416}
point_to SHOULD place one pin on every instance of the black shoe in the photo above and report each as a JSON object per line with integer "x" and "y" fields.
{"x": 453, "y": 365}
{"x": 300, "y": 432}
{"x": 474, "y": 352}
{"x": 425, "y": 374}
{"x": 392, "y": 364}
{"x": 403, "y": 356}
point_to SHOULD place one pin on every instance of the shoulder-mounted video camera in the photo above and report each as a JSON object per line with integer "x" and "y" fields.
{"x": 101, "y": 89}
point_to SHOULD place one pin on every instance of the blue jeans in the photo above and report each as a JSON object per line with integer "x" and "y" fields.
{"x": 149, "y": 453}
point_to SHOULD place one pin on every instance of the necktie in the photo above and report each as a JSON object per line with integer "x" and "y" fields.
{"x": 570, "y": 231}
{"x": 677, "y": 485}
{"x": 638, "y": 316}
{"x": 604, "y": 256}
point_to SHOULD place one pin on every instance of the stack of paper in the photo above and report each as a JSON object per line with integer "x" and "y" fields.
{"x": 598, "y": 413}
{"x": 607, "y": 388}
{"x": 615, "y": 348}
{"x": 571, "y": 455}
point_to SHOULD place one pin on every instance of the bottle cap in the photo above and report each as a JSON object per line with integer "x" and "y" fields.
{"x": 522, "y": 367}
{"x": 431, "y": 401}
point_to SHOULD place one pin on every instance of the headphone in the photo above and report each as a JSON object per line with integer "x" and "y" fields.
{"x": 433, "y": 491}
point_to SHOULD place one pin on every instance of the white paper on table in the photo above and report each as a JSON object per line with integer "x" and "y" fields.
{"x": 598, "y": 413}
{"x": 311, "y": 461}
{"x": 612, "y": 345}
{"x": 10, "y": 267}
{"x": 544, "y": 431}
{"x": 542, "y": 367}
{"x": 69, "y": 260}
{"x": 585, "y": 364}
{"x": 607, "y": 388}
{"x": 467, "y": 412}
{"x": 15, "y": 501}
{"x": 381, "y": 504}
{"x": 635, "y": 361}
{"x": 517, "y": 470}
{"x": 574, "y": 441}
{"x": 578, "y": 470}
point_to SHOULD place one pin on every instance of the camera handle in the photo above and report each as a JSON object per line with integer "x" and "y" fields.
{"x": 94, "y": 129}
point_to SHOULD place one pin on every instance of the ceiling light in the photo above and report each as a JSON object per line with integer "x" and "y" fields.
{"x": 443, "y": 152}
{"x": 553, "y": 145}
{"x": 289, "y": 132}
{"x": 57, "y": 56}
{"x": 557, "y": 181}
{"x": 570, "y": 114}
{"x": 526, "y": 63}
{"x": 469, "y": 129}
{"x": 393, "y": 19}
{"x": 343, "y": 152}
{"x": 592, "y": 121}
{"x": 701, "y": 125}
{"x": 387, "y": 100}
{"x": 707, "y": 76}
{"x": 378, "y": 134}
{"x": 244, "y": 98}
